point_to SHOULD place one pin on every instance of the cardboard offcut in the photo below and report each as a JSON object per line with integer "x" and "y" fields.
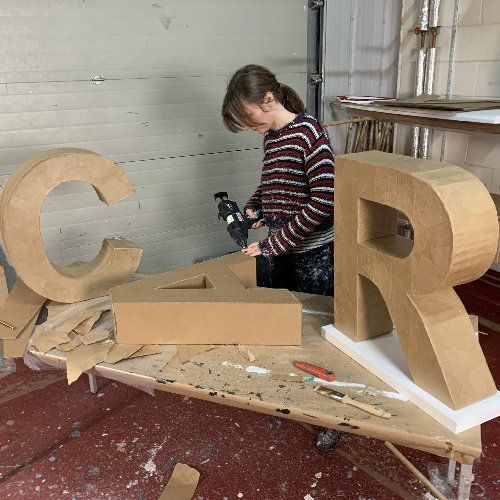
{"x": 213, "y": 302}
{"x": 182, "y": 483}
{"x": 382, "y": 278}
{"x": 18, "y": 309}
{"x": 20, "y": 207}
{"x": 85, "y": 357}
{"x": 14, "y": 347}
{"x": 496, "y": 200}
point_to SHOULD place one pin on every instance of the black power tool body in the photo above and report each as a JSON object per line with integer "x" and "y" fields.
{"x": 238, "y": 224}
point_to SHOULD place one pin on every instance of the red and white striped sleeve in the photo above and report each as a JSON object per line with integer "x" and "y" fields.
{"x": 319, "y": 168}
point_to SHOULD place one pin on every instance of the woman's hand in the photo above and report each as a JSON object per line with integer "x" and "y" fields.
{"x": 253, "y": 249}
{"x": 251, "y": 214}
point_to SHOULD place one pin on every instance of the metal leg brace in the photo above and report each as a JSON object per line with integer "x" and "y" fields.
{"x": 92, "y": 383}
{"x": 452, "y": 464}
{"x": 466, "y": 478}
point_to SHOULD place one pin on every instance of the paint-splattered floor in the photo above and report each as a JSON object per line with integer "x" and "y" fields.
{"x": 63, "y": 442}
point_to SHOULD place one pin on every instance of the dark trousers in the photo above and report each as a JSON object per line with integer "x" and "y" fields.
{"x": 309, "y": 272}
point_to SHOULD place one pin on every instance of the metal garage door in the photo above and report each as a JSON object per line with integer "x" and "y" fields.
{"x": 141, "y": 82}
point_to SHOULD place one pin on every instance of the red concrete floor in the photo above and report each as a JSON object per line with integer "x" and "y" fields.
{"x": 63, "y": 442}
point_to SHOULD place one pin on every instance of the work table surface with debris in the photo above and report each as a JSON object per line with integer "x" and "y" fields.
{"x": 263, "y": 379}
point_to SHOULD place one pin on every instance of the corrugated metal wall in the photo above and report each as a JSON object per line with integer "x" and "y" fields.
{"x": 140, "y": 82}
{"x": 361, "y": 50}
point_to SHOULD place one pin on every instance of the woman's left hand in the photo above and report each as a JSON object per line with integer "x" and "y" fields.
{"x": 253, "y": 249}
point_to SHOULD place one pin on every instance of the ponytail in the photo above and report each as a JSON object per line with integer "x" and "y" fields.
{"x": 290, "y": 99}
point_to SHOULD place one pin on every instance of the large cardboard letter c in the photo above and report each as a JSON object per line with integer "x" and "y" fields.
{"x": 382, "y": 278}
{"x": 20, "y": 208}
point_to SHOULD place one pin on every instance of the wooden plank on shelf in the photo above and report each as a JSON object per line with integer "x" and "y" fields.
{"x": 436, "y": 119}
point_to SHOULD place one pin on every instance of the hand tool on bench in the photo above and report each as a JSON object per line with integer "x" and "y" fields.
{"x": 344, "y": 398}
{"x": 317, "y": 371}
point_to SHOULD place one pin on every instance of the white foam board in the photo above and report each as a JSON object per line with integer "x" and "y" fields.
{"x": 384, "y": 357}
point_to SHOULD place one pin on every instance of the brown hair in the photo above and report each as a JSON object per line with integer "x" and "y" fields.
{"x": 250, "y": 84}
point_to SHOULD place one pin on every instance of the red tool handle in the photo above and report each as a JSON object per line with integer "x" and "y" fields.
{"x": 317, "y": 371}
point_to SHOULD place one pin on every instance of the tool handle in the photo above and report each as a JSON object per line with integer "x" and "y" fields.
{"x": 366, "y": 407}
{"x": 317, "y": 371}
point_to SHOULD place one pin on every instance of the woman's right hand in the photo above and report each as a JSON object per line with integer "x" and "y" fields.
{"x": 251, "y": 214}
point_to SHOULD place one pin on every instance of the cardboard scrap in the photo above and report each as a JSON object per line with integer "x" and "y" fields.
{"x": 18, "y": 309}
{"x": 84, "y": 358}
{"x": 69, "y": 346}
{"x": 121, "y": 351}
{"x": 45, "y": 340}
{"x": 4, "y": 290}
{"x": 496, "y": 200}
{"x": 14, "y": 348}
{"x": 71, "y": 323}
{"x": 105, "y": 322}
{"x": 33, "y": 180}
{"x": 55, "y": 310}
{"x": 94, "y": 336}
{"x": 85, "y": 326}
{"x": 186, "y": 352}
{"x": 382, "y": 277}
{"x": 172, "y": 363}
{"x": 246, "y": 353}
{"x": 146, "y": 350}
{"x": 182, "y": 483}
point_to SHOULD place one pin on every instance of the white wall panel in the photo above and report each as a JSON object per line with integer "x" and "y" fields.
{"x": 164, "y": 67}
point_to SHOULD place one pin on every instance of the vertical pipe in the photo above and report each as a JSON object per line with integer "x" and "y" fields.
{"x": 423, "y": 21}
{"x": 430, "y": 63}
{"x": 451, "y": 68}
{"x": 423, "y": 18}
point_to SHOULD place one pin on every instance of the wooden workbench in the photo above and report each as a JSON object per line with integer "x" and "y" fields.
{"x": 221, "y": 375}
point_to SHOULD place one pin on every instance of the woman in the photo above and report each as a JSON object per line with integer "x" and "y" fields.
{"x": 295, "y": 195}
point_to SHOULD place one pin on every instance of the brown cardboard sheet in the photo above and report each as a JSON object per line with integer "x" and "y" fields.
{"x": 20, "y": 207}
{"x": 14, "y": 348}
{"x": 84, "y": 358}
{"x": 496, "y": 200}
{"x": 206, "y": 303}
{"x": 71, "y": 323}
{"x": 246, "y": 353}
{"x": 182, "y": 483}
{"x": 147, "y": 350}
{"x": 121, "y": 351}
{"x": 186, "y": 352}
{"x": 57, "y": 311}
{"x": 435, "y": 102}
{"x": 95, "y": 336}
{"x": 4, "y": 290}
{"x": 44, "y": 340}
{"x": 382, "y": 278}
{"x": 69, "y": 346}
{"x": 86, "y": 325}
{"x": 18, "y": 309}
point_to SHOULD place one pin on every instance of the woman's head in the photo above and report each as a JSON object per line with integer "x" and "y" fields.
{"x": 252, "y": 93}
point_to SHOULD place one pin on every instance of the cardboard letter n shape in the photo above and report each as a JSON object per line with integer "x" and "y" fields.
{"x": 214, "y": 302}
{"x": 20, "y": 208}
{"x": 382, "y": 278}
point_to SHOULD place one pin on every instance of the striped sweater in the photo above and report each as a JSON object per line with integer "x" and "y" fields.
{"x": 296, "y": 189}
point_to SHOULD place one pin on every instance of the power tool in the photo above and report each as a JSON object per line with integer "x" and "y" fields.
{"x": 238, "y": 224}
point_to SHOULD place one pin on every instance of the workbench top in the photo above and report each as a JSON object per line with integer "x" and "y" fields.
{"x": 224, "y": 376}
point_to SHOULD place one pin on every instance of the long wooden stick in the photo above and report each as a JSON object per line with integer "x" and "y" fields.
{"x": 350, "y": 120}
{"x": 415, "y": 471}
